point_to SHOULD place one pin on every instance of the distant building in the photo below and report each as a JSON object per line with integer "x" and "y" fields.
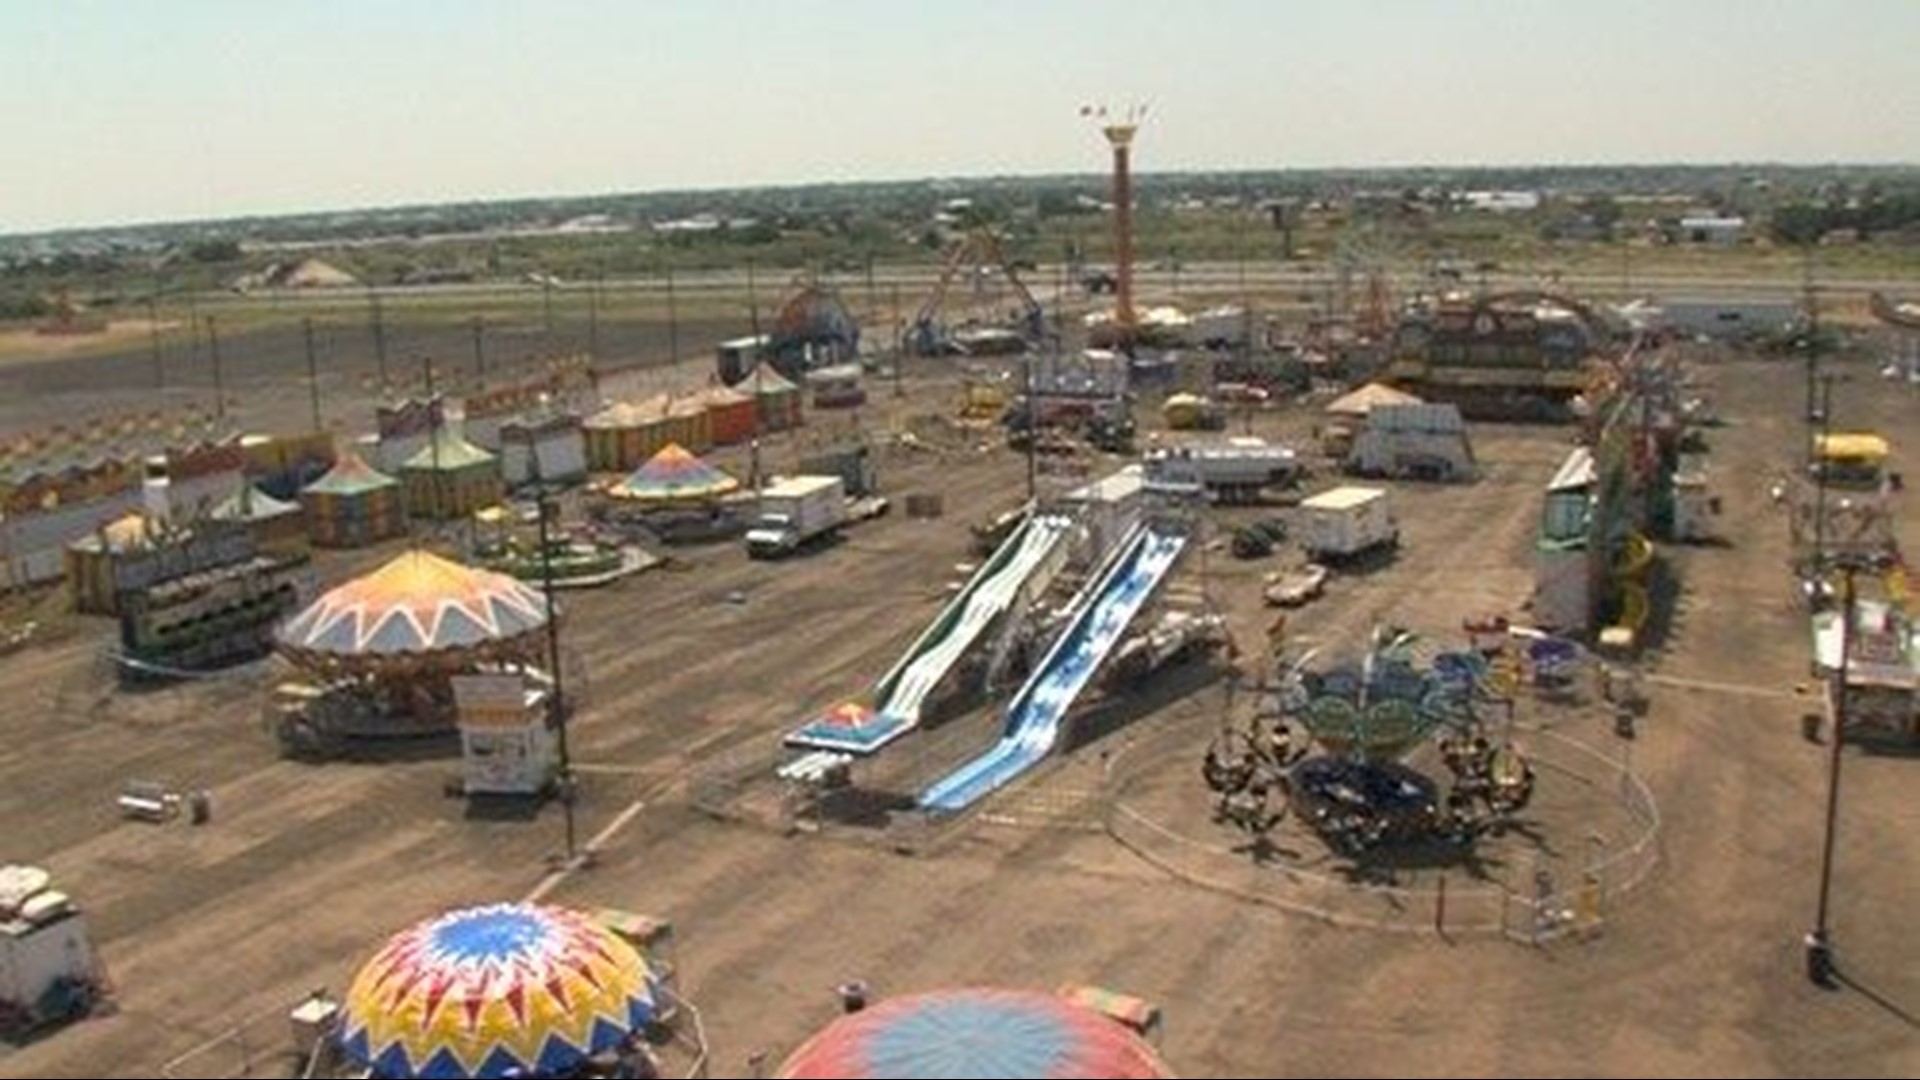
{"x": 304, "y": 274}
{"x": 1719, "y": 231}
{"x": 1726, "y": 320}
{"x": 1502, "y": 202}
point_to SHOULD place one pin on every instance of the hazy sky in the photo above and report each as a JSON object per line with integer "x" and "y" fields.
{"x": 131, "y": 110}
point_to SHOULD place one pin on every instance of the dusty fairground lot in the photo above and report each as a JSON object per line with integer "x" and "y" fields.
{"x": 1698, "y": 971}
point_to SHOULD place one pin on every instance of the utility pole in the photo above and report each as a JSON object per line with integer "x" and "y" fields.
{"x": 1819, "y": 560}
{"x": 377, "y": 319}
{"x": 873, "y": 295}
{"x": 556, "y": 700}
{"x": 1819, "y": 942}
{"x": 546, "y": 305}
{"x": 1810, "y": 307}
{"x": 593, "y": 316}
{"x": 313, "y": 373}
{"x": 219, "y": 381}
{"x": 1033, "y": 437}
{"x": 899, "y": 337}
{"x": 153, "y": 334}
{"x": 753, "y": 299}
{"x": 673, "y": 320}
{"x": 479, "y": 351}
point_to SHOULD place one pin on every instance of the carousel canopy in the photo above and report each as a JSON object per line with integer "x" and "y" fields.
{"x": 674, "y": 475}
{"x": 766, "y": 379}
{"x": 1363, "y": 401}
{"x": 987, "y": 1034}
{"x": 448, "y": 451}
{"x": 508, "y": 990}
{"x": 351, "y": 475}
{"x": 418, "y": 603}
{"x": 251, "y": 504}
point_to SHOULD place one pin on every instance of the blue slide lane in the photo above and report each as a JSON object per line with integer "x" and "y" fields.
{"x": 902, "y": 692}
{"x": 1033, "y": 718}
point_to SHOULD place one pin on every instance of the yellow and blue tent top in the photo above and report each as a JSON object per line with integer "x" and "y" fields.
{"x": 505, "y": 990}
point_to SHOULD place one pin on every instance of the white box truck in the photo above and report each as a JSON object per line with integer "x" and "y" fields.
{"x": 794, "y": 512}
{"x": 1346, "y": 522}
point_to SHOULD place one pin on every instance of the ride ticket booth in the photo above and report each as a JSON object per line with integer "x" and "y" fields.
{"x": 506, "y": 743}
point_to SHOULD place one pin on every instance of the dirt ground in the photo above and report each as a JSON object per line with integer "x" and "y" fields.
{"x": 306, "y": 869}
{"x": 264, "y": 366}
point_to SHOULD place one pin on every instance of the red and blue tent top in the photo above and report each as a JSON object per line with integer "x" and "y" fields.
{"x": 983, "y": 1034}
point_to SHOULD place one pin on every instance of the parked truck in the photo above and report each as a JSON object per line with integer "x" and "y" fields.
{"x": 794, "y": 512}
{"x": 1347, "y": 522}
{"x": 1238, "y": 470}
{"x": 48, "y": 971}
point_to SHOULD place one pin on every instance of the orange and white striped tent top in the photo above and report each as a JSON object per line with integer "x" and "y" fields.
{"x": 419, "y": 603}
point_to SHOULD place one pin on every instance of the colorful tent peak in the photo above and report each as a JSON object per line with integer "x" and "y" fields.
{"x": 417, "y": 603}
{"x": 981, "y": 1033}
{"x": 674, "y": 475}
{"x": 445, "y": 450}
{"x": 249, "y": 503}
{"x": 509, "y": 989}
{"x": 351, "y": 475}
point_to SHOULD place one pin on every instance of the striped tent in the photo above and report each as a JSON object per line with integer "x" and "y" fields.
{"x": 674, "y": 477}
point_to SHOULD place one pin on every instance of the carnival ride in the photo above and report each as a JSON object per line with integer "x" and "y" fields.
{"x": 1525, "y": 354}
{"x": 814, "y": 328}
{"x": 504, "y": 990}
{"x": 377, "y": 655}
{"x": 1348, "y": 778}
{"x": 1004, "y": 317}
{"x": 1097, "y": 620}
{"x": 900, "y": 696}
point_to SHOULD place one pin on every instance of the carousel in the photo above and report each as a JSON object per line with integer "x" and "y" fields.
{"x": 1337, "y": 746}
{"x": 982, "y": 1033}
{"x": 674, "y": 479}
{"x": 503, "y": 991}
{"x": 377, "y": 656}
{"x": 677, "y": 497}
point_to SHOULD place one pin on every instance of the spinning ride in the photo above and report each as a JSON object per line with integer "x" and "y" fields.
{"x": 1346, "y": 777}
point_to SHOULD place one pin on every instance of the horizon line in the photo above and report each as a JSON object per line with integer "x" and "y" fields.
{"x": 926, "y": 178}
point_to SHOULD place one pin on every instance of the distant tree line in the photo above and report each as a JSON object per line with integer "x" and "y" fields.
{"x": 1806, "y": 221}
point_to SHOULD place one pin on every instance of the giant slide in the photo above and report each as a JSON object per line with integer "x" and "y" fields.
{"x": 1033, "y": 719}
{"x": 902, "y": 692}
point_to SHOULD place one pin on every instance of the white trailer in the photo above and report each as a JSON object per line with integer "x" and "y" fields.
{"x": 47, "y": 967}
{"x": 796, "y": 511}
{"x": 1346, "y": 522}
{"x": 1238, "y": 470}
{"x": 1420, "y": 441}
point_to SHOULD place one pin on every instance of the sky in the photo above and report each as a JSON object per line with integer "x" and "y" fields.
{"x": 119, "y": 111}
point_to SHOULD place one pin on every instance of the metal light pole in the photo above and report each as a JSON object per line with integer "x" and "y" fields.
{"x": 1819, "y": 943}
{"x": 479, "y": 352}
{"x": 556, "y": 708}
{"x": 546, "y": 306}
{"x": 313, "y": 373}
{"x": 1819, "y": 561}
{"x": 153, "y": 334}
{"x": 593, "y": 315}
{"x": 219, "y": 381}
{"x": 673, "y": 321}
{"x": 1033, "y": 436}
{"x": 377, "y": 320}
